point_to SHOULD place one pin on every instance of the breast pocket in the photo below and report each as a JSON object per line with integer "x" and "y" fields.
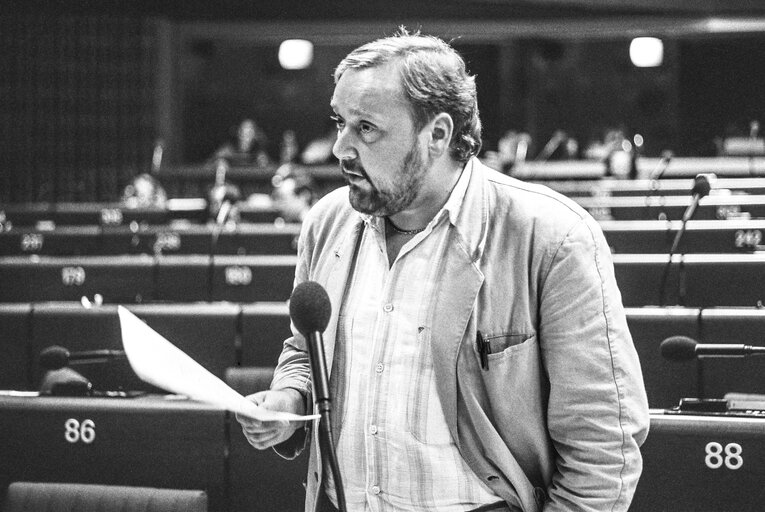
{"x": 514, "y": 373}
{"x": 505, "y": 346}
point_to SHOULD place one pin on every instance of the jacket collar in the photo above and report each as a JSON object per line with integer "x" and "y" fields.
{"x": 473, "y": 219}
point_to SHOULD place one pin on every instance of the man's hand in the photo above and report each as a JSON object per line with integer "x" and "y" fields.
{"x": 264, "y": 434}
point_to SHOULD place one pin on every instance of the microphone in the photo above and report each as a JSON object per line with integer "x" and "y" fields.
{"x": 56, "y": 357}
{"x": 557, "y": 138}
{"x": 701, "y": 187}
{"x": 156, "y": 157}
{"x": 683, "y": 348}
{"x": 310, "y": 310}
{"x": 661, "y": 167}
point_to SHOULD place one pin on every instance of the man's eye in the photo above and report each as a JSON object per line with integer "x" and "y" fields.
{"x": 366, "y": 128}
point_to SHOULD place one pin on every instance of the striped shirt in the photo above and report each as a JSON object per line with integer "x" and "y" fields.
{"x": 394, "y": 449}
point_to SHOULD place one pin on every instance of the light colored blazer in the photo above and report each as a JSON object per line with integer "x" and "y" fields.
{"x": 556, "y": 421}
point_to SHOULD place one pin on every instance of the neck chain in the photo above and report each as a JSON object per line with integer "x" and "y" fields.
{"x": 402, "y": 231}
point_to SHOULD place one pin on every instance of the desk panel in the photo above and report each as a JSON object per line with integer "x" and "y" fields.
{"x": 702, "y": 464}
{"x": 115, "y": 278}
{"x": 711, "y": 207}
{"x": 739, "y": 374}
{"x": 259, "y": 239}
{"x": 666, "y": 382}
{"x": 148, "y": 441}
{"x": 15, "y": 362}
{"x": 705, "y": 280}
{"x": 62, "y": 241}
{"x": 208, "y": 333}
{"x": 264, "y": 327}
{"x": 253, "y": 278}
{"x": 701, "y": 236}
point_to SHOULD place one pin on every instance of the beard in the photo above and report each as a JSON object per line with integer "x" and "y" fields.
{"x": 399, "y": 192}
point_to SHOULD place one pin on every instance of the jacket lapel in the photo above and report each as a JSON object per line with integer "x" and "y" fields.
{"x": 461, "y": 280}
{"x": 336, "y": 281}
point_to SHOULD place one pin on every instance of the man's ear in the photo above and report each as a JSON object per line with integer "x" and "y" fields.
{"x": 441, "y": 130}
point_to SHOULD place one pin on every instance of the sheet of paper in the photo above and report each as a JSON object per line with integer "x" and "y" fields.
{"x": 160, "y": 363}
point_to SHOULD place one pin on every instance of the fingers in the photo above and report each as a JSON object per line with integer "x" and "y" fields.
{"x": 257, "y": 399}
{"x": 263, "y": 435}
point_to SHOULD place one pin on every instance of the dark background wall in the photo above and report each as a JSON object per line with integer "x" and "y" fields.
{"x": 78, "y": 104}
{"x": 86, "y": 93}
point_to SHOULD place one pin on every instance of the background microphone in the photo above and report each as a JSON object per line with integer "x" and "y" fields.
{"x": 683, "y": 348}
{"x": 701, "y": 187}
{"x": 56, "y": 357}
{"x": 310, "y": 310}
{"x": 230, "y": 197}
{"x": 661, "y": 167}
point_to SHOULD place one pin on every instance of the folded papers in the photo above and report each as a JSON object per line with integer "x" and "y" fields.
{"x": 160, "y": 363}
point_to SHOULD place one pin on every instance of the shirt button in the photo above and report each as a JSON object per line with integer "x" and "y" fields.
{"x": 388, "y": 307}
{"x": 375, "y": 489}
{"x": 379, "y": 367}
{"x": 373, "y": 429}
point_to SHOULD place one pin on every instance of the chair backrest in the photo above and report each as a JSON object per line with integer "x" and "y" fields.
{"x": 71, "y": 497}
{"x": 249, "y": 379}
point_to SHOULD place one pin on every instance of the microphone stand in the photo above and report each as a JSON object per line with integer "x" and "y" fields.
{"x": 324, "y": 405}
{"x": 700, "y": 190}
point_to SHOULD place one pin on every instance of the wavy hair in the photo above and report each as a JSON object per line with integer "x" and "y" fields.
{"x": 435, "y": 80}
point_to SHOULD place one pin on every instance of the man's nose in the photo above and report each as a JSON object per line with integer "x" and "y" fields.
{"x": 343, "y": 147}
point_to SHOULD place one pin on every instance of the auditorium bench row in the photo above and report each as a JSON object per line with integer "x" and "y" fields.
{"x": 217, "y": 335}
{"x": 696, "y": 280}
{"x": 154, "y": 442}
{"x": 717, "y": 205}
{"x": 646, "y": 187}
{"x": 150, "y": 440}
{"x": 220, "y": 336}
{"x": 712, "y": 207}
{"x": 649, "y": 236}
{"x": 115, "y": 214}
{"x": 244, "y": 238}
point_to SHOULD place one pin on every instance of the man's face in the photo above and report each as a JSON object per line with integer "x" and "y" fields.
{"x": 381, "y": 155}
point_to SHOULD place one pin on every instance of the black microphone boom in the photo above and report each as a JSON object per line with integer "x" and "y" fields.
{"x": 310, "y": 311}
{"x": 702, "y": 185}
{"x": 55, "y": 357}
{"x": 683, "y": 348}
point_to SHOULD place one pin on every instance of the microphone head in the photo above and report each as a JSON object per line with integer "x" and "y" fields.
{"x": 310, "y": 308}
{"x": 702, "y": 184}
{"x": 54, "y": 357}
{"x": 678, "y": 348}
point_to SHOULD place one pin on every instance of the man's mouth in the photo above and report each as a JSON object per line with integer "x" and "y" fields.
{"x": 353, "y": 170}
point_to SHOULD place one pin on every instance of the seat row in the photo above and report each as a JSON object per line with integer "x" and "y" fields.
{"x": 649, "y": 236}
{"x": 50, "y": 215}
{"x": 223, "y": 336}
{"x": 699, "y": 280}
{"x": 218, "y": 336}
{"x": 158, "y": 441}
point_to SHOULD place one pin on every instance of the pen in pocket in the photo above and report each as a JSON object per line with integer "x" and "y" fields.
{"x": 484, "y": 349}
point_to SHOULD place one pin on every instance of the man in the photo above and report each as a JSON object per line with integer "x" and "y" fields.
{"x": 479, "y": 353}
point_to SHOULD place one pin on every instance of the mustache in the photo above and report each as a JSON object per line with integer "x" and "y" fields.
{"x": 353, "y": 166}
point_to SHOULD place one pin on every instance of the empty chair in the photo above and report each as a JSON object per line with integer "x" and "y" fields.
{"x": 260, "y": 479}
{"x": 265, "y": 325}
{"x": 249, "y": 379}
{"x": 75, "y": 497}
